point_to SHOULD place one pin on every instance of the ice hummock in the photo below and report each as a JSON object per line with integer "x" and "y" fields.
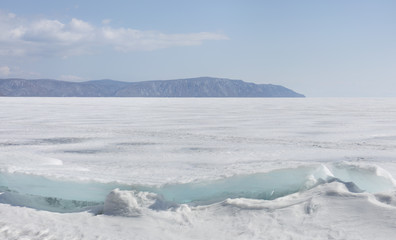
{"x": 127, "y": 200}
{"x": 128, "y": 203}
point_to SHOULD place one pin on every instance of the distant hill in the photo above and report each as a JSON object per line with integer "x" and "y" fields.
{"x": 192, "y": 87}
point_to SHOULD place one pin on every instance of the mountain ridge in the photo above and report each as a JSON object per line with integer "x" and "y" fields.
{"x": 188, "y": 87}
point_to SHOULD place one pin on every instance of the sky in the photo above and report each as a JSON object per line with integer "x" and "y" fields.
{"x": 320, "y": 48}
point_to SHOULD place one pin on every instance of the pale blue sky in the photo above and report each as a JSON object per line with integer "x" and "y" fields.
{"x": 321, "y": 48}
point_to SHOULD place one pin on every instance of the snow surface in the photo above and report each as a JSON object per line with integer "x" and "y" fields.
{"x": 104, "y": 168}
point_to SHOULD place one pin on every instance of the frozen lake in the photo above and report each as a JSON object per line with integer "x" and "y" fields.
{"x": 186, "y": 167}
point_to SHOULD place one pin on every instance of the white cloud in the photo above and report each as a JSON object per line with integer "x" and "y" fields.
{"x": 59, "y": 33}
{"x": 131, "y": 40}
{"x": 16, "y": 72}
{"x": 4, "y": 71}
{"x": 71, "y": 78}
{"x": 80, "y": 26}
{"x": 11, "y": 15}
{"x": 106, "y": 21}
{"x": 46, "y": 37}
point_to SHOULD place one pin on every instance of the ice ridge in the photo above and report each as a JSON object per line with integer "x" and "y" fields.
{"x": 130, "y": 200}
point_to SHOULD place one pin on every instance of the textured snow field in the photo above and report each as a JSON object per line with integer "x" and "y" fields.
{"x": 141, "y": 168}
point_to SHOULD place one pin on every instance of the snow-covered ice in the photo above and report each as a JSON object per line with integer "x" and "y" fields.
{"x": 141, "y": 168}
